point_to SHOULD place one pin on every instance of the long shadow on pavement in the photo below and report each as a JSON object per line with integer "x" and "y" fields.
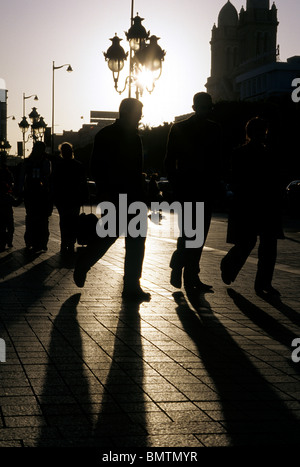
{"x": 262, "y": 319}
{"x": 22, "y": 291}
{"x": 66, "y": 390}
{"x": 286, "y": 310}
{"x": 252, "y": 411}
{"x": 266, "y": 322}
{"x": 14, "y": 260}
{"x": 124, "y": 385}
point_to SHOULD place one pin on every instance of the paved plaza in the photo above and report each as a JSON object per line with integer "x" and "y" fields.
{"x": 84, "y": 368}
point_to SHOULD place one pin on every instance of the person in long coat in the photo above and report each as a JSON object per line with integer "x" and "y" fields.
{"x": 193, "y": 165}
{"x": 69, "y": 187}
{"x": 255, "y": 210}
{"x": 37, "y": 198}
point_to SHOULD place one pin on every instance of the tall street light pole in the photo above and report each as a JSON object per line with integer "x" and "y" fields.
{"x": 69, "y": 69}
{"x": 130, "y": 52}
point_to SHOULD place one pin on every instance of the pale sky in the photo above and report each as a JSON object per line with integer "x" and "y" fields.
{"x": 34, "y": 33}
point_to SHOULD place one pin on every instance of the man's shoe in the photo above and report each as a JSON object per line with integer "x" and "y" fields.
{"x": 175, "y": 278}
{"x": 136, "y": 294}
{"x": 79, "y": 276}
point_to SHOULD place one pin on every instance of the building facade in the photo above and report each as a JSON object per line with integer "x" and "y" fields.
{"x": 88, "y": 131}
{"x": 245, "y": 56}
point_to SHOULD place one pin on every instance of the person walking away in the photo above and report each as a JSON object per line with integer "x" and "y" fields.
{"x": 192, "y": 163}
{"x": 117, "y": 168}
{"x": 69, "y": 185}
{"x": 37, "y": 200}
{"x": 255, "y": 211}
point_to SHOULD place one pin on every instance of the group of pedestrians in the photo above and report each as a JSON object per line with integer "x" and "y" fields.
{"x": 42, "y": 184}
{"x": 193, "y": 165}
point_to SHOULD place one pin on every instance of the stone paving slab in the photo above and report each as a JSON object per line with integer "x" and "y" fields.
{"x": 84, "y": 368}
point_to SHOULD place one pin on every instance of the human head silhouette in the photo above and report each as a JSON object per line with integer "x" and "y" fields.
{"x": 256, "y": 130}
{"x": 66, "y": 150}
{"x": 202, "y": 104}
{"x": 130, "y": 112}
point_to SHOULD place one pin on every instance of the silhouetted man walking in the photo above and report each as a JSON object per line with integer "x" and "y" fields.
{"x": 256, "y": 209}
{"x": 116, "y": 166}
{"x": 193, "y": 166}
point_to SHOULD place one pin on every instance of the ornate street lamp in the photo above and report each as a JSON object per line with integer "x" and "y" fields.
{"x": 145, "y": 56}
{"x": 38, "y": 127}
{"x": 115, "y": 56}
{"x": 137, "y": 34}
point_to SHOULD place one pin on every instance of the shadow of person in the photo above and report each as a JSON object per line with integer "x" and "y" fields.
{"x": 244, "y": 402}
{"x": 267, "y": 323}
{"x": 122, "y": 415}
{"x": 21, "y": 291}
{"x": 65, "y": 390}
{"x": 13, "y": 261}
{"x": 290, "y": 313}
{"x": 292, "y": 239}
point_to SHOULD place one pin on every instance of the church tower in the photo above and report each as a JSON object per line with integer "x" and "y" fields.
{"x": 224, "y": 53}
{"x": 257, "y": 34}
{"x": 240, "y": 43}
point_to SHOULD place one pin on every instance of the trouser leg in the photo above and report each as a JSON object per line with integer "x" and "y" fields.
{"x": 235, "y": 259}
{"x": 193, "y": 255}
{"x": 267, "y": 254}
{"x": 185, "y": 256}
{"x": 68, "y": 220}
{"x": 134, "y": 257}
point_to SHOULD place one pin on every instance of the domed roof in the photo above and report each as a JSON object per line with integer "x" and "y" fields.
{"x": 228, "y": 15}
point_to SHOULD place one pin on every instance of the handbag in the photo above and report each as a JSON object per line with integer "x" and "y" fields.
{"x": 86, "y": 228}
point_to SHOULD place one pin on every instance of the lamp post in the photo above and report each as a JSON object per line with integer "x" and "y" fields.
{"x": 145, "y": 57}
{"x": 69, "y": 70}
{"x": 38, "y": 127}
{"x": 23, "y": 124}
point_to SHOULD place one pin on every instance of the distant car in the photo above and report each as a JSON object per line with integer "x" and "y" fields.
{"x": 293, "y": 197}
